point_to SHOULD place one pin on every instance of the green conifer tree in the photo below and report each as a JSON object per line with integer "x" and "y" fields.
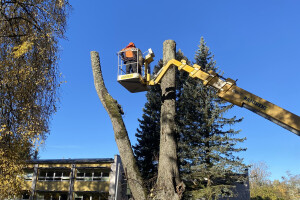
{"x": 147, "y": 148}
{"x": 207, "y": 143}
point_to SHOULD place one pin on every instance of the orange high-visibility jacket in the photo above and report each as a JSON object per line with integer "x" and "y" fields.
{"x": 129, "y": 54}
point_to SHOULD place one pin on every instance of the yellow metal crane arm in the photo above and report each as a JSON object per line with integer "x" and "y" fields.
{"x": 227, "y": 90}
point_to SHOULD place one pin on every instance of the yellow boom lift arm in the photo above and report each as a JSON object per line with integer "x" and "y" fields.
{"x": 226, "y": 89}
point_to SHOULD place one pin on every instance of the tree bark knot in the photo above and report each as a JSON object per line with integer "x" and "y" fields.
{"x": 180, "y": 188}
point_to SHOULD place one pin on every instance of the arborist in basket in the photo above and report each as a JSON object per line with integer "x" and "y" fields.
{"x": 129, "y": 56}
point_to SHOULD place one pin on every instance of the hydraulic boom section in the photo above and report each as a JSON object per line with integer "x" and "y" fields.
{"x": 227, "y": 90}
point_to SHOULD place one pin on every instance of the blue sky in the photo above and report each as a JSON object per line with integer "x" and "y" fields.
{"x": 256, "y": 42}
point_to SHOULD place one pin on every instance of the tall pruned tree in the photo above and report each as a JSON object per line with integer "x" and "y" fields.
{"x": 199, "y": 122}
{"x": 207, "y": 143}
{"x": 147, "y": 148}
{"x": 29, "y": 76}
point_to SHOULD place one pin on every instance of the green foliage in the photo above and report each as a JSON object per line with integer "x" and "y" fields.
{"x": 207, "y": 143}
{"x": 147, "y": 148}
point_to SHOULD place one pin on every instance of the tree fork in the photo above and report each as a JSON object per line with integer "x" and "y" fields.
{"x": 169, "y": 185}
{"x": 115, "y": 112}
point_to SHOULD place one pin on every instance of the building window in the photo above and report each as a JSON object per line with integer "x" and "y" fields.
{"x": 52, "y": 196}
{"x": 92, "y": 175}
{"x": 50, "y": 176}
{"x": 91, "y": 196}
{"x": 58, "y": 175}
{"x": 25, "y": 195}
{"x": 28, "y": 175}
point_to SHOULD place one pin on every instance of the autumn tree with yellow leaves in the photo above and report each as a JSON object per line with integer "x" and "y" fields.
{"x": 29, "y": 79}
{"x": 262, "y": 188}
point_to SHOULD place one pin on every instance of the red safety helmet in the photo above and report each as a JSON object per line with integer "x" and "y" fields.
{"x": 131, "y": 44}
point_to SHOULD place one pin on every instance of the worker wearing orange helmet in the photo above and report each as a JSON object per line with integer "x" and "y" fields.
{"x": 129, "y": 56}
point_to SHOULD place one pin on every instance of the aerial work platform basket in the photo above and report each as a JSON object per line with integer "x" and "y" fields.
{"x": 133, "y": 82}
{"x": 136, "y": 79}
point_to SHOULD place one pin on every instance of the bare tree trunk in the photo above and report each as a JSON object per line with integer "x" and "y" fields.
{"x": 169, "y": 185}
{"x": 115, "y": 112}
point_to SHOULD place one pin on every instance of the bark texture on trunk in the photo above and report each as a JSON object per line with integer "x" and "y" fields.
{"x": 115, "y": 112}
{"x": 169, "y": 185}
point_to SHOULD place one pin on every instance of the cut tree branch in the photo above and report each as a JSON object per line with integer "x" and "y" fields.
{"x": 114, "y": 111}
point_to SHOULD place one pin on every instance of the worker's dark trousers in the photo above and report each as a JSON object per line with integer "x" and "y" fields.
{"x": 131, "y": 67}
